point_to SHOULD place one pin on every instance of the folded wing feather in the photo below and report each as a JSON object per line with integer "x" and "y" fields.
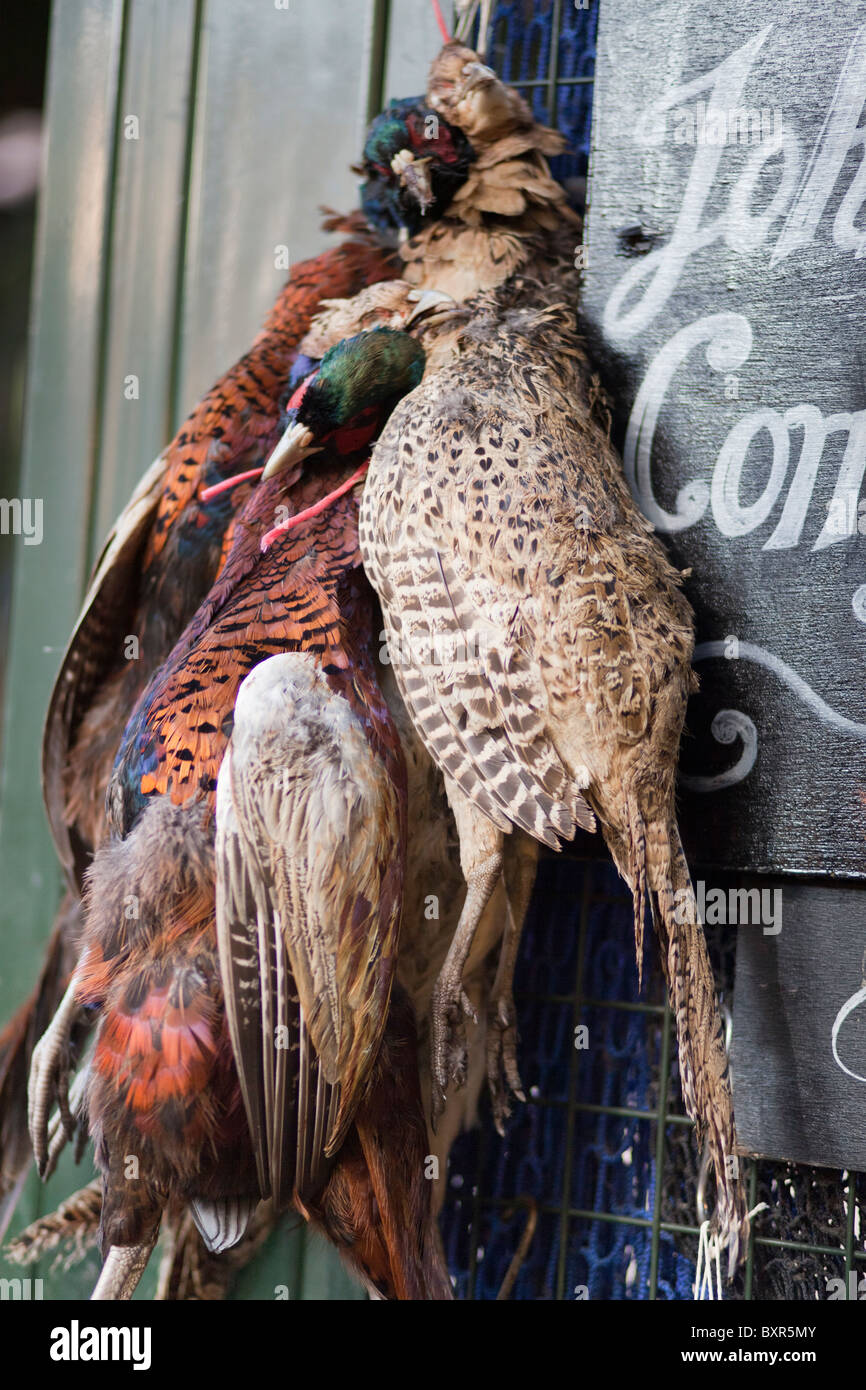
{"x": 309, "y": 877}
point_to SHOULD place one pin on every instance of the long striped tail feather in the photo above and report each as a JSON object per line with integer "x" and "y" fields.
{"x": 703, "y": 1056}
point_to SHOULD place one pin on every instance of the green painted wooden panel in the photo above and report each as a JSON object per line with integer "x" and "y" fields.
{"x": 413, "y": 40}
{"x": 280, "y": 108}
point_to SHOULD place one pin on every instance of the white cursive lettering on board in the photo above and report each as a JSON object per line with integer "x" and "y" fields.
{"x": 645, "y": 288}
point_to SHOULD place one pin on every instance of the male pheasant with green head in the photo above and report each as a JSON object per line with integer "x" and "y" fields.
{"x": 156, "y": 567}
{"x": 288, "y": 849}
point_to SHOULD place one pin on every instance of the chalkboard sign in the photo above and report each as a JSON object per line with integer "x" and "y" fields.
{"x": 725, "y": 299}
{"x": 798, "y": 1052}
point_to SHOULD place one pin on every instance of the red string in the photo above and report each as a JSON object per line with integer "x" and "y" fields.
{"x": 270, "y": 536}
{"x": 229, "y": 483}
{"x": 440, "y": 20}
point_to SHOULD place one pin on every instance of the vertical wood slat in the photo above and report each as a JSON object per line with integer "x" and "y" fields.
{"x": 413, "y": 42}
{"x": 146, "y": 241}
{"x": 154, "y": 257}
{"x": 279, "y": 119}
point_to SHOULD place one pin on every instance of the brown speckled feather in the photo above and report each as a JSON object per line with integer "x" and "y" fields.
{"x": 499, "y": 219}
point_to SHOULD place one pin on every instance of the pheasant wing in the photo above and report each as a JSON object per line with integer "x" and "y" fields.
{"x": 309, "y": 880}
{"x": 108, "y": 601}
{"x": 457, "y": 584}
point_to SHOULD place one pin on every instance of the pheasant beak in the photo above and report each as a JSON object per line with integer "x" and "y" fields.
{"x": 430, "y": 305}
{"x": 476, "y": 75}
{"x": 414, "y": 174}
{"x": 296, "y": 445}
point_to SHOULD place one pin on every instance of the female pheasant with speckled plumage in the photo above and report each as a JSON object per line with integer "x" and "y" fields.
{"x": 496, "y": 519}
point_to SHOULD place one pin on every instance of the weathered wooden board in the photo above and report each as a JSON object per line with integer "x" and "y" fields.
{"x": 724, "y": 295}
{"x": 798, "y": 1053}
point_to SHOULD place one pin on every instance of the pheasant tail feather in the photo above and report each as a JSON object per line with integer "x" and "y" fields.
{"x": 638, "y": 855}
{"x": 703, "y": 1057}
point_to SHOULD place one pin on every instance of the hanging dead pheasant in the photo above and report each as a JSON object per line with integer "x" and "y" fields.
{"x": 163, "y": 1086}
{"x": 155, "y": 569}
{"x": 165, "y": 550}
{"x": 496, "y": 523}
{"x": 414, "y": 162}
{"x": 496, "y": 512}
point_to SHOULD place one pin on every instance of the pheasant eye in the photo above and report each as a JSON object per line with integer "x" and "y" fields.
{"x": 300, "y": 391}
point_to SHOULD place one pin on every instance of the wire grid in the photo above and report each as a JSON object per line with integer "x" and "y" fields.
{"x": 602, "y": 1147}
{"x": 604, "y": 1119}
{"x": 546, "y": 48}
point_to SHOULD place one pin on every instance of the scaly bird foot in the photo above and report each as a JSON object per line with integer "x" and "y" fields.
{"x": 503, "y": 1076}
{"x": 58, "y": 1135}
{"x": 49, "y": 1081}
{"x": 451, "y": 1007}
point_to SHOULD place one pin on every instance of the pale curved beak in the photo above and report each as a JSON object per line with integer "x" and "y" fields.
{"x": 401, "y": 162}
{"x": 429, "y": 305}
{"x": 414, "y": 174}
{"x": 296, "y": 444}
{"x": 476, "y": 74}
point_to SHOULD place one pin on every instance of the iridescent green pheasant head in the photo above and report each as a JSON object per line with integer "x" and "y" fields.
{"x": 414, "y": 162}
{"x": 347, "y": 399}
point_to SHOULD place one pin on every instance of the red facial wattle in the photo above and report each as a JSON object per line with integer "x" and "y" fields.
{"x": 300, "y": 391}
{"x": 349, "y": 438}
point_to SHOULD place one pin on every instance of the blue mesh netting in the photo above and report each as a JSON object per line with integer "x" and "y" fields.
{"x": 522, "y": 48}
{"x": 594, "y": 1163}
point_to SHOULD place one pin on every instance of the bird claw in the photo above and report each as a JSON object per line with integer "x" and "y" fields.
{"x": 451, "y": 1007}
{"x": 46, "y": 1083}
{"x": 49, "y": 1081}
{"x": 503, "y": 1076}
{"x": 58, "y": 1133}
